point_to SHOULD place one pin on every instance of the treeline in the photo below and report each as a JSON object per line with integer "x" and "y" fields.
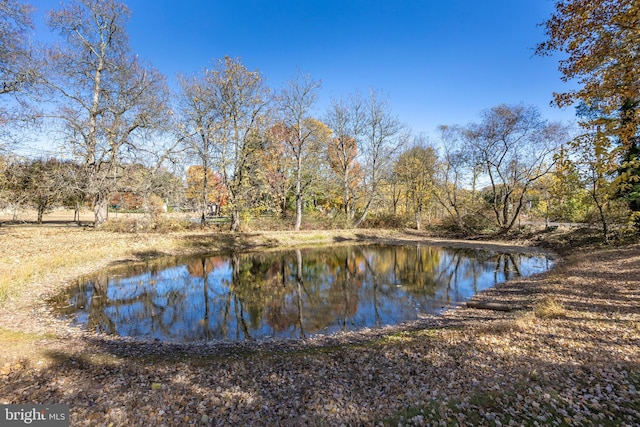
{"x": 224, "y": 143}
{"x": 47, "y": 184}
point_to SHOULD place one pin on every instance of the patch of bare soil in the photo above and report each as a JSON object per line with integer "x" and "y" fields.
{"x": 568, "y": 354}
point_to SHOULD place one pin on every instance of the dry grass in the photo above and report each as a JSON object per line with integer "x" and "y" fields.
{"x": 550, "y": 308}
{"x": 32, "y": 253}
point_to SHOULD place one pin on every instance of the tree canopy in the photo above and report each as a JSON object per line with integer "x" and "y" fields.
{"x": 600, "y": 41}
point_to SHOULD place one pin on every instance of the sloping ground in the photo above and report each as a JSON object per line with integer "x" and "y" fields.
{"x": 569, "y": 355}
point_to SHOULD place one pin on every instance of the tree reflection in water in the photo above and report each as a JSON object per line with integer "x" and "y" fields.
{"x": 288, "y": 294}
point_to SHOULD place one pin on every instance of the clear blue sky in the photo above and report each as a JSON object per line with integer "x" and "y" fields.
{"x": 439, "y": 61}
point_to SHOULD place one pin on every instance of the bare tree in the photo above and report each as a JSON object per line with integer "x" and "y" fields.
{"x": 346, "y": 118}
{"x": 302, "y": 134}
{"x": 18, "y": 69}
{"x": 198, "y": 121}
{"x": 383, "y": 135}
{"x": 107, "y": 99}
{"x": 12, "y": 197}
{"x": 38, "y": 184}
{"x": 516, "y": 147}
{"x": 73, "y": 195}
{"x": 458, "y": 175}
{"x": 220, "y": 119}
{"x": 158, "y": 183}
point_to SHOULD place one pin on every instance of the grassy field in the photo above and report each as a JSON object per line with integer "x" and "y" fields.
{"x": 57, "y": 216}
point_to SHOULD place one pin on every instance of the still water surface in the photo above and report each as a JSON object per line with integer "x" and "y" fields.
{"x": 287, "y": 294}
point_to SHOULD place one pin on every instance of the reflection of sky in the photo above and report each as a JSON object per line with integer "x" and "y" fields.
{"x": 466, "y": 285}
{"x": 172, "y": 304}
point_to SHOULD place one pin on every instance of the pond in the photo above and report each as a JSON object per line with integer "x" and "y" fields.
{"x": 287, "y": 294}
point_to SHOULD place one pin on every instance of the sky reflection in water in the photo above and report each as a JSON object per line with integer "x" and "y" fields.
{"x": 287, "y": 294}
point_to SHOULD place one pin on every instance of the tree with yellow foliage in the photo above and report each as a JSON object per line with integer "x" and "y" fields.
{"x": 211, "y": 197}
{"x": 600, "y": 40}
{"x": 416, "y": 169}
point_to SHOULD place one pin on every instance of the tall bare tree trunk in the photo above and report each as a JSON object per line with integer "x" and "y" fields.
{"x": 346, "y": 193}
{"x": 235, "y": 219}
{"x": 100, "y": 208}
{"x": 299, "y": 195}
